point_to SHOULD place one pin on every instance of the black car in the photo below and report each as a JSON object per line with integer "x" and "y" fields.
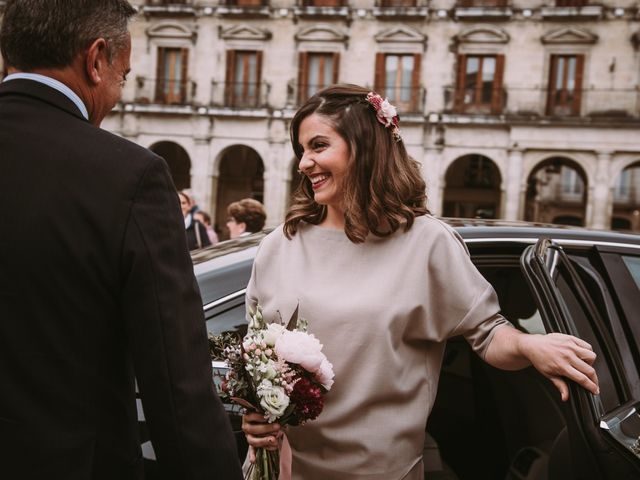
{"x": 493, "y": 424}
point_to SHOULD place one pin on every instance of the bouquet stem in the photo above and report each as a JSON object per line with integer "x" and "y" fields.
{"x": 267, "y": 466}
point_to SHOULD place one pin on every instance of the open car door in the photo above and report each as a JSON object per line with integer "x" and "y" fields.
{"x": 602, "y": 432}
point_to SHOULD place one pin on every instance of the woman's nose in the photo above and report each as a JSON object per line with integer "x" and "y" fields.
{"x": 306, "y": 163}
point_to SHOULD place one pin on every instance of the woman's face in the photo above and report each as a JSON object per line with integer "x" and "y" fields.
{"x": 184, "y": 204}
{"x": 324, "y": 160}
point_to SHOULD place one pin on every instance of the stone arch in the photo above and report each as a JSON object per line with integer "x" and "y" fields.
{"x": 472, "y": 188}
{"x": 178, "y": 160}
{"x": 626, "y": 198}
{"x": 240, "y": 175}
{"x": 556, "y": 192}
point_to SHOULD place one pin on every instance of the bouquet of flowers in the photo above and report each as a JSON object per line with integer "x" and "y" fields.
{"x": 277, "y": 371}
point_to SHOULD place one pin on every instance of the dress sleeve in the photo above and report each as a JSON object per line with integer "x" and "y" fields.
{"x": 461, "y": 301}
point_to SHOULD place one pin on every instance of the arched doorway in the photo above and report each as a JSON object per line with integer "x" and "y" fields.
{"x": 178, "y": 160}
{"x": 241, "y": 176}
{"x": 626, "y": 199}
{"x": 472, "y": 188}
{"x": 557, "y": 193}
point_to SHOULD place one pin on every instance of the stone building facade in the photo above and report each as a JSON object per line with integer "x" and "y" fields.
{"x": 516, "y": 109}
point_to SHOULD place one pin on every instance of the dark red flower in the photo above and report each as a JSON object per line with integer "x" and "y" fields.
{"x": 307, "y": 397}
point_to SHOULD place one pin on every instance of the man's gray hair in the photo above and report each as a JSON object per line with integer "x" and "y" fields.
{"x": 50, "y": 33}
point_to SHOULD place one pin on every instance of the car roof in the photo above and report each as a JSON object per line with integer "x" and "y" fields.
{"x": 473, "y": 230}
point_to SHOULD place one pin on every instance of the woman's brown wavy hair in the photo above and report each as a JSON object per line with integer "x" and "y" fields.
{"x": 383, "y": 187}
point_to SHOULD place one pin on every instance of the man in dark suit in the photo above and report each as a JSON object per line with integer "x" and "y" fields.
{"x": 96, "y": 284}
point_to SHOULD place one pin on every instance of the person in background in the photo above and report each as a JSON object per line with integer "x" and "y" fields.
{"x": 246, "y": 216}
{"x": 197, "y": 236}
{"x": 205, "y": 219}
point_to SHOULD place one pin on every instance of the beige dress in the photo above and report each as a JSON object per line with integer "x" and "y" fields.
{"x": 383, "y": 311}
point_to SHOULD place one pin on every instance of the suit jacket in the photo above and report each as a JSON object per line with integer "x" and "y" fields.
{"x": 96, "y": 283}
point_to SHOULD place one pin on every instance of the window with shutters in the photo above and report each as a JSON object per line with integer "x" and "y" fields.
{"x": 243, "y": 87}
{"x": 316, "y": 71}
{"x": 479, "y": 84}
{"x": 397, "y": 78}
{"x": 565, "y": 85}
{"x": 171, "y": 77}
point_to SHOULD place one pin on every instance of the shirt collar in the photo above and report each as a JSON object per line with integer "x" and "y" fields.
{"x": 53, "y": 83}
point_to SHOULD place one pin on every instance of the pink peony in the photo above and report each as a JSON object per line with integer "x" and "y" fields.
{"x": 300, "y": 348}
{"x": 324, "y": 375}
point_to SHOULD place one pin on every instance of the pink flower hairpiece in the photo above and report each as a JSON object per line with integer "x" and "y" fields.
{"x": 386, "y": 114}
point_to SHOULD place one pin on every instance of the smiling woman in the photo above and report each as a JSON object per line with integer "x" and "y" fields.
{"x": 383, "y": 285}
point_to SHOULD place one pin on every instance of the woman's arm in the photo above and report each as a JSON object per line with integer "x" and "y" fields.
{"x": 555, "y": 355}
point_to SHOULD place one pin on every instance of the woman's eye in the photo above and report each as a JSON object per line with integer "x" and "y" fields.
{"x": 319, "y": 146}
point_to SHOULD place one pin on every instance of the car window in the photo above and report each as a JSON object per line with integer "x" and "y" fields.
{"x": 229, "y": 320}
{"x": 610, "y": 391}
{"x": 516, "y": 302}
{"x": 633, "y": 265}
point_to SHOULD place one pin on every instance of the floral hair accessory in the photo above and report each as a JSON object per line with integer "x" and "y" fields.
{"x": 385, "y": 113}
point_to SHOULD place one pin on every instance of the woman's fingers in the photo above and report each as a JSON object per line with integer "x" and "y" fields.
{"x": 269, "y": 442}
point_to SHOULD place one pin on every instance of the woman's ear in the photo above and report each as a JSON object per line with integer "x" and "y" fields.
{"x": 96, "y": 60}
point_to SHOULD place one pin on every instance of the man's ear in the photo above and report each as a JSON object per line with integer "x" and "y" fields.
{"x": 243, "y": 226}
{"x": 96, "y": 60}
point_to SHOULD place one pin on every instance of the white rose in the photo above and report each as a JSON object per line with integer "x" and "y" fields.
{"x": 273, "y": 400}
{"x": 388, "y": 110}
{"x": 273, "y": 332}
{"x": 324, "y": 375}
{"x": 268, "y": 370}
{"x": 300, "y": 348}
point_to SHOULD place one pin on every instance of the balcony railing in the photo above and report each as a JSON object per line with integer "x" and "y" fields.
{"x": 394, "y": 9}
{"x": 164, "y": 91}
{"x": 240, "y": 95}
{"x": 169, "y": 7}
{"x": 521, "y": 101}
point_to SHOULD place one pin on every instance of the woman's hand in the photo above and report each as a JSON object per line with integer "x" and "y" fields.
{"x": 260, "y": 433}
{"x": 555, "y": 355}
{"x": 558, "y": 356}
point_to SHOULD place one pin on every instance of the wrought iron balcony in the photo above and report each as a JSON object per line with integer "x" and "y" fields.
{"x": 240, "y": 95}
{"x": 164, "y": 91}
{"x": 169, "y": 7}
{"x": 244, "y": 8}
{"x": 394, "y": 9}
{"x": 591, "y": 103}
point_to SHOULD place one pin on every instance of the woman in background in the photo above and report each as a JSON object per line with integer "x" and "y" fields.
{"x": 196, "y": 232}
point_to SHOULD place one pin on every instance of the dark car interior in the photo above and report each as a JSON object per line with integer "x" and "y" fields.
{"x": 493, "y": 424}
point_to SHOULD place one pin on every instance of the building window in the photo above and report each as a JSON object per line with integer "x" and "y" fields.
{"x": 316, "y": 71}
{"x": 397, "y": 78}
{"x": 243, "y": 79}
{"x": 622, "y": 187}
{"x": 479, "y": 84}
{"x": 565, "y": 85}
{"x": 572, "y": 183}
{"x": 171, "y": 77}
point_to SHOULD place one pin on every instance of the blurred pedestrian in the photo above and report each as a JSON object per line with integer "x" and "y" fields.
{"x": 246, "y": 216}
{"x": 197, "y": 236}
{"x": 204, "y": 218}
{"x": 105, "y": 294}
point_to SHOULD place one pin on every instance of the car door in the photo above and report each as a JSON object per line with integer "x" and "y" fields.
{"x": 602, "y": 431}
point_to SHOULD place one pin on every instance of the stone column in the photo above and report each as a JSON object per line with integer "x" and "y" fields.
{"x": 599, "y": 198}
{"x": 514, "y": 183}
{"x": 275, "y": 183}
{"x": 431, "y": 166}
{"x": 201, "y": 164}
